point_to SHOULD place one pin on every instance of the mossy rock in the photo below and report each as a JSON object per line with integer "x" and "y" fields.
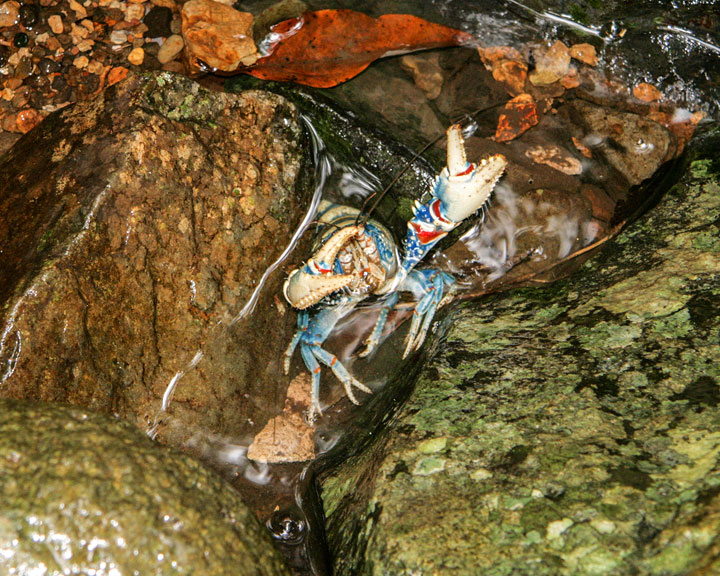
{"x": 571, "y": 429}
{"x": 85, "y": 494}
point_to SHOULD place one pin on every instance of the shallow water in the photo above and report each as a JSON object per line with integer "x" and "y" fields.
{"x": 680, "y": 54}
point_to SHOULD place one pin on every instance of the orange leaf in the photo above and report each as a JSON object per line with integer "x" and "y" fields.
{"x": 520, "y": 114}
{"x": 328, "y": 47}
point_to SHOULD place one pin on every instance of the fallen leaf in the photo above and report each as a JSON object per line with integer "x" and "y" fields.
{"x": 551, "y": 65}
{"x": 556, "y": 158}
{"x": 646, "y": 92}
{"x": 584, "y": 150}
{"x": 328, "y": 47}
{"x": 520, "y": 115}
{"x": 584, "y": 53}
{"x": 117, "y": 74}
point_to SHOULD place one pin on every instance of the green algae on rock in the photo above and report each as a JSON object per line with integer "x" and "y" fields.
{"x": 570, "y": 429}
{"x": 85, "y": 494}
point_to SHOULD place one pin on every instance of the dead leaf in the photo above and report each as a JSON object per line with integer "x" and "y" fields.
{"x": 520, "y": 115}
{"x": 328, "y": 47}
{"x": 646, "y": 92}
{"x": 551, "y": 65}
{"x": 117, "y": 74}
{"x": 555, "y": 157}
{"x": 217, "y": 35}
{"x": 584, "y": 150}
{"x": 584, "y": 53}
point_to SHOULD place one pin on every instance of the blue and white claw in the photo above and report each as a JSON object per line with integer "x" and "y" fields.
{"x": 354, "y": 262}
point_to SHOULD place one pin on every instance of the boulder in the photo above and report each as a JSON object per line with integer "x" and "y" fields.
{"x": 570, "y": 429}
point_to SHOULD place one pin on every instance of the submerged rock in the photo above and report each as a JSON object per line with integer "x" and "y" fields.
{"x": 565, "y": 430}
{"x": 84, "y": 494}
{"x": 135, "y": 227}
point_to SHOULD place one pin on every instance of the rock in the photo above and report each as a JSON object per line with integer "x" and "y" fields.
{"x": 217, "y": 35}
{"x": 288, "y": 437}
{"x": 56, "y": 24}
{"x": 550, "y": 65}
{"x": 9, "y": 13}
{"x": 634, "y": 145}
{"x": 136, "y": 56}
{"x": 158, "y": 208}
{"x": 646, "y": 92}
{"x": 158, "y": 21}
{"x": 570, "y": 429}
{"x": 86, "y": 494}
{"x": 28, "y": 119}
{"x": 584, "y": 53}
{"x": 426, "y": 72}
{"x": 170, "y": 49}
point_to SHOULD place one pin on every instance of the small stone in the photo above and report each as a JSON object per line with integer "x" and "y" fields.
{"x": 218, "y": 35}
{"x": 551, "y": 65}
{"x": 56, "y": 24}
{"x": 28, "y": 119}
{"x": 158, "y": 22}
{"x": 170, "y": 49}
{"x": 9, "y": 12}
{"x": 134, "y": 12}
{"x": 118, "y": 36}
{"x": 48, "y": 66}
{"x": 136, "y": 56}
{"x": 9, "y": 123}
{"x": 85, "y": 45}
{"x": 555, "y": 529}
{"x": 4, "y": 55}
{"x": 78, "y": 8}
{"x": 81, "y": 62}
{"x": 95, "y": 67}
{"x": 28, "y": 15}
{"x": 165, "y": 3}
{"x": 646, "y": 92}
{"x": 426, "y": 72}
{"x": 584, "y": 53}
{"x": 20, "y": 40}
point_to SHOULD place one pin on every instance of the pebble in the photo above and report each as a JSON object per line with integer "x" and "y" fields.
{"x": 136, "y": 56}
{"x": 9, "y": 13}
{"x": 20, "y": 40}
{"x": 56, "y": 24}
{"x": 170, "y": 49}
{"x": 134, "y": 12}
{"x": 28, "y": 15}
{"x": 27, "y": 120}
{"x": 158, "y": 21}
{"x": 81, "y": 62}
{"x": 48, "y": 66}
{"x": 79, "y": 9}
{"x": 118, "y": 36}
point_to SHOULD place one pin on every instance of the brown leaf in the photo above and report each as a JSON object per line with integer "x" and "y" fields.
{"x": 117, "y": 74}
{"x": 328, "y": 47}
{"x": 520, "y": 115}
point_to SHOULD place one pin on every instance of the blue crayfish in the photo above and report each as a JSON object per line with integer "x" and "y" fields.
{"x": 354, "y": 261}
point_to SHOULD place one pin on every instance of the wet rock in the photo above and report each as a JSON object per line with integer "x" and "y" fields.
{"x": 570, "y": 429}
{"x": 157, "y": 210}
{"x": 634, "y": 145}
{"x": 217, "y": 35}
{"x": 170, "y": 49}
{"x": 86, "y": 494}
